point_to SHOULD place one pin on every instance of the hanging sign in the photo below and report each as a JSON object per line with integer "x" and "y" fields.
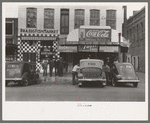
{"x": 88, "y": 48}
{"x": 94, "y": 34}
{"x": 108, "y": 49}
{"x": 67, "y": 48}
{"x": 37, "y": 31}
{"x": 97, "y": 33}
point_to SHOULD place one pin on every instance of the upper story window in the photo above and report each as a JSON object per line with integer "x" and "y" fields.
{"x": 49, "y": 18}
{"x": 95, "y": 17}
{"x": 111, "y": 18}
{"x": 64, "y": 21}
{"x": 79, "y": 18}
{"x": 9, "y": 27}
{"x": 31, "y": 17}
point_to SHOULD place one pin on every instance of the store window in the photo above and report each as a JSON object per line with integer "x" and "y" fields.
{"x": 9, "y": 28}
{"x": 79, "y": 18}
{"x": 31, "y": 17}
{"x": 111, "y": 18}
{"x": 29, "y": 57}
{"x": 95, "y": 17}
{"x": 49, "y": 18}
{"x": 64, "y": 23}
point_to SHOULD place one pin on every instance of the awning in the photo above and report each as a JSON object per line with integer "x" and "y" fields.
{"x": 124, "y": 42}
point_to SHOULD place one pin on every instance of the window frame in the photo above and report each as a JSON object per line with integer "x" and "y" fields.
{"x": 75, "y": 27}
{"x": 30, "y": 18}
{"x": 49, "y": 19}
{"x": 61, "y": 14}
{"x": 12, "y": 28}
{"x": 97, "y": 19}
{"x": 111, "y": 19}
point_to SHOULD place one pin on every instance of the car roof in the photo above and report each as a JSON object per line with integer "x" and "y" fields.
{"x": 90, "y": 60}
{"x": 16, "y": 62}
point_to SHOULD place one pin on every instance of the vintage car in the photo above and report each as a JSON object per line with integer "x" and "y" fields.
{"x": 123, "y": 73}
{"x": 91, "y": 71}
{"x": 21, "y": 72}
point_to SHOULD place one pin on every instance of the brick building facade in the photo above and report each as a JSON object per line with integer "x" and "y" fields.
{"x": 135, "y": 32}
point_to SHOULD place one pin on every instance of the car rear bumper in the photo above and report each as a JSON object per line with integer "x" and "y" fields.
{"x": 99, "y": 80}
{"x": 128, "y": 80}
{"x": 13, "y": 79}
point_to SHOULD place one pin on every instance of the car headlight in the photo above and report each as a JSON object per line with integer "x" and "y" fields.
{"x": 118, "y": 77}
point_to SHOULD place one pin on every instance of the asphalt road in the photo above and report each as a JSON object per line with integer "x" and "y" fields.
{"x": 61, "y": 89}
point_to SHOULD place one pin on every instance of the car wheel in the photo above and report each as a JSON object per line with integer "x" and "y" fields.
{"x": 113, "y": 82}
{"x": 135, "y": 84}
{"x": 25, "y": 81}
{"x": 20, "y": 83}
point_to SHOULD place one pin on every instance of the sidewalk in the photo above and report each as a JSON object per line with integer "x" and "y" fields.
{"x": 67, "y": 77}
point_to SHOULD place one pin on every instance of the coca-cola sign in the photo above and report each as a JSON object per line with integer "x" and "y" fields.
{"x": 97, "y": 33}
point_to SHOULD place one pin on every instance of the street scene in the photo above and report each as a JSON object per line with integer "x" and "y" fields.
{"x": 61, "y": 89}
{"x": 75, "y": 53}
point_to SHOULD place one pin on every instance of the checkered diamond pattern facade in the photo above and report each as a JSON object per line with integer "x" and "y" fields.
{"x": 24, "y": 46}
{"x": 55, "y": 49}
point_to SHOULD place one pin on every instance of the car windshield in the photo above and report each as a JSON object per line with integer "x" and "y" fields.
{"x": 13, "y": 66}
{"x": 126, "y": 70}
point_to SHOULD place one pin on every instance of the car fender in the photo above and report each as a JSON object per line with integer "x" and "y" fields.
{"x": 26, "y": 74}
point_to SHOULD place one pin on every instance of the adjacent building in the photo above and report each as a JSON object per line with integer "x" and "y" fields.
{"x": 11, "y": 32}
{"x": 71, "y": 32}
{"x": 134, "y": 30}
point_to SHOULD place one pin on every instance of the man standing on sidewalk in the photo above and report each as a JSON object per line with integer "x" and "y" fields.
{"x": 44, "y": 65}
{"x": 75, "y": 73}
{"x": 51, "y": 65}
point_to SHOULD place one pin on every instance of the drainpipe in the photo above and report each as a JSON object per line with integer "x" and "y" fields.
{"x": 119, "y": 59}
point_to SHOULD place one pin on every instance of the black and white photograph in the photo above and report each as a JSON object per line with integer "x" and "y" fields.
{"x": 75, "y": 60}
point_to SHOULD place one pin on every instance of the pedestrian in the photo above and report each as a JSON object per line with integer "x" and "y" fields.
{"x": 66, "y": 66}
{"x": 56, "y": 67}
{"x": 61, "y": 67}
{"x": 75, "y": 73}
{"x": 44, "y": 65}
{"x": 115, "y": 60}
{"x": 51, "y": 66}
{"x": 106, "y": 69}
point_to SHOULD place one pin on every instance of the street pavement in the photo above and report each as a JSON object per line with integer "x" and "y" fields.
{"x": 61, "y": 89}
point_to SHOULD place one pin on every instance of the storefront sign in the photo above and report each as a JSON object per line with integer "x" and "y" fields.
{"x": 94, "y": 34}
{"x": 97, "y": 33}
{"x": 46, "y": 53}
{"x": 88, "y": 48}
{"x": 38, "y": 38}
{"x": 67, "y": 48}
{"x": 37, "y": 31}
{"x": 108, "y": 49}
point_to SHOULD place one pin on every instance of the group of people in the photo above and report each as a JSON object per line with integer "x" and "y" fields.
{"x": 58, "y": 64}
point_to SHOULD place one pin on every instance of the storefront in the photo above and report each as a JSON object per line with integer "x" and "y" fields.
{"x": 94, "y": 42}
{"x": 35, "y": 45}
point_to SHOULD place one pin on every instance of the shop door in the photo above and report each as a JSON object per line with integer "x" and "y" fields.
{"x": 29, "y": 57}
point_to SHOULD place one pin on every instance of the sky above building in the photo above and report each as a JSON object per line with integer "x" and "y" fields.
{"x": 10, "y": 10}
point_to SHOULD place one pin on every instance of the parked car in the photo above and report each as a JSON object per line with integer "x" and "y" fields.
{"x": 91, "y": 71}
{"x": 21, "y": 72}
{"x": 123, "y": 73}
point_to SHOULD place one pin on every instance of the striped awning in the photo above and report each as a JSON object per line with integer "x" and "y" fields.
{"x": 38, "y": 38}
{"x": 27, "y": 36}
